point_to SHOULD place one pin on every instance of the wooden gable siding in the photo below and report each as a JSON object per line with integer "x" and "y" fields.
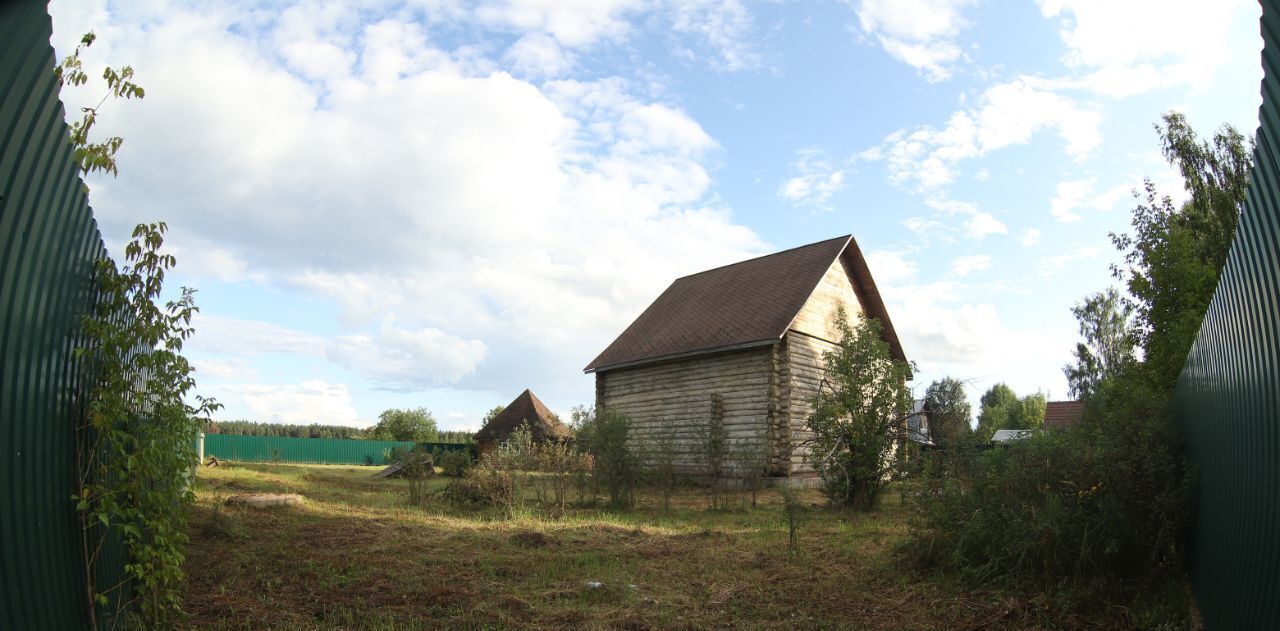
{"x": 676, "y": 397}
{"x": 835, "y": 290}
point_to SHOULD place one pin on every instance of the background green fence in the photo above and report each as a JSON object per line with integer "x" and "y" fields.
{"x": 1228, "y": 397}
{"x": 310, "y": 450}
{"x": 49, "y": 242}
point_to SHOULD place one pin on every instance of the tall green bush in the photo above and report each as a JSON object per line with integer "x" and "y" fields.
{"x": 137, "y": 441}
{"x": 1102, "y": 505}
{"x": 859, "y": 421}
{"x": 616, "y": 468}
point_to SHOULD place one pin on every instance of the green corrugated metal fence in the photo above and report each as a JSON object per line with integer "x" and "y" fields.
{"x": 310, "y": 450}
{"x": 1228, "y": 397}
{"x": 48, "y": 244}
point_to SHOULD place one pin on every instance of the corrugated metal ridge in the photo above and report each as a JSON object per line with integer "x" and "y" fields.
{"x": 1228, "y": 396}
{"x": 48, "y": 245}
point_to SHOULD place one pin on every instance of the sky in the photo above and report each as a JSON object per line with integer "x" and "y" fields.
{"x": 441, "y": 203}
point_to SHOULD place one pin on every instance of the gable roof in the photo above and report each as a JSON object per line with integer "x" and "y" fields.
{"x": 543, "y": 424}
{"x": 1062, "y": 414}
{"x": 746, "y": 304}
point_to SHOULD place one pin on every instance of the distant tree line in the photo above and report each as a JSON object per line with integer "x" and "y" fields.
{"x": 314, "y": 430}
{"x": 408, "y": 425}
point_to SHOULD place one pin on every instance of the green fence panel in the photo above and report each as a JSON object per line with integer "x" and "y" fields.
{"x": 309, "y": 450}
{"x": 1228, "y": 397}
{"x": 48, "y": 244}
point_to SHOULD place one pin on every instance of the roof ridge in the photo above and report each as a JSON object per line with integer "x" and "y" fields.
{"x": 765, "y": 256}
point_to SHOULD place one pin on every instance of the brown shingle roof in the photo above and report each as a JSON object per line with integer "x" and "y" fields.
{"x": 543, "y": 424}
{"x": 745, "y": 304}
{"x": 1062, "y": 414}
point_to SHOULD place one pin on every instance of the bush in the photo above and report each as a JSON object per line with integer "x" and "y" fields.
{"x": 659, "y": 454}
{"x": 557, "y": 465}
{"x": 1103, "y": 505}
{"x": 616, "y": 466}
{"x": 454, "y": 462}
{"x": 860, "y": 415}
{"x": 417, "y": 466}
{"x": 481, "y": 487}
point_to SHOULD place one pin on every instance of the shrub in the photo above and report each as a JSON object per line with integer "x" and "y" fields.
{"x": 713, "y": 447}
{"x": 792, "y": 512}
{"x": 557, "y": 465}
{"x": 481, "y": 487}
{"x": 1103, "y": 505}
{"x": 454, "y": 462}
{"x": 660, "y": 461}
{"x": 417, "y": 466}
{"x": 750, "y": 458}
{"x": 603, "y": 437}
{"x": 860, "y": 415}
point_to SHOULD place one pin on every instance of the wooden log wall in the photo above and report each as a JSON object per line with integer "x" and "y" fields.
{"x": 675, "y": 398}
{"x": 779, "y": 414}
{"x": 807, "y": 370}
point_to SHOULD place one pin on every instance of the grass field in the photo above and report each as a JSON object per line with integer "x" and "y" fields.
{"x": 354, "y": 556}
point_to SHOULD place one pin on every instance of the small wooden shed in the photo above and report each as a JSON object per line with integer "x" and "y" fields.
{"x": 744, "y": 343}
{"x": 544, "y": 425}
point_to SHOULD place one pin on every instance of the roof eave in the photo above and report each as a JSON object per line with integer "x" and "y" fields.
{"x": 686, "y": 355}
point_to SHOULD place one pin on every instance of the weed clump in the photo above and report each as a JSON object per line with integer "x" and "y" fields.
{"x": 222, "y": 526}
{"x": 481, "y": 487}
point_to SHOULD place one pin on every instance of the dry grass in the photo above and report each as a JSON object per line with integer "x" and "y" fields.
{"x": 354, "y": 556}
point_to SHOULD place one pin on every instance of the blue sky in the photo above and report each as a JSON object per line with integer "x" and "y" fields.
{"x": 441, "y": 203}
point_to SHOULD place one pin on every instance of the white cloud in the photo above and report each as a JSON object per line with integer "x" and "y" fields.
{"x": 312, "y": 401}
{"x": 982, "y": 224}
{"x": 1030, "y": 237}
{"x": 1006, "y": 114}
{"x": 928, "y": 229}
{"x": 1076, "y": 195}
{"x": 408, "y": 360}
{"x": 919, "y": 33}
{"x": 552, "y": 31}
{"x": 539, "y": 55}
{"x": 234, "y": 369}
{"x": 393, "y": 357}
{"x": 1052, "y": 265}
{"x": 503, "y": 229}
{"x": 947, "y": 334}
{"x": 1127, "y": 48}
{"x": 725, "y": 26}
{"x": 236, "y": 337}
{"x": 816, "y": 180}
{"x": 571, "y": 22}
{"x": 890, "y": 267}
{"x": 965, "y": 265}
{"x": 974, "y": 224}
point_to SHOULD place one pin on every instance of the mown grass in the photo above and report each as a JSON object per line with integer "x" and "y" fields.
{"x": 353, "y": 555}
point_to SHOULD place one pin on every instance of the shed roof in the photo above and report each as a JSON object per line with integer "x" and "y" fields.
{"x": 1062, "y": 414}
{"x": 543, "y": 424}
{"x": 745, "y": 304}
{"x": 1010, "y": 435}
